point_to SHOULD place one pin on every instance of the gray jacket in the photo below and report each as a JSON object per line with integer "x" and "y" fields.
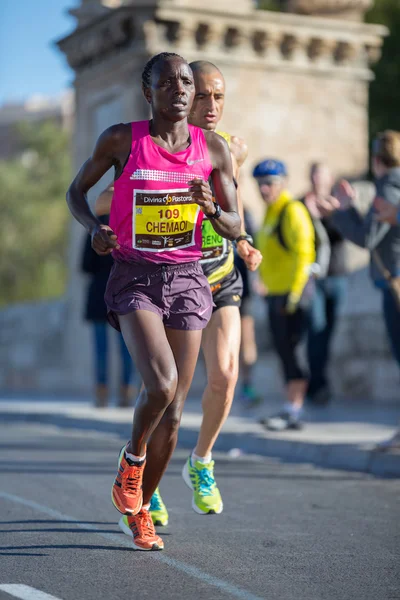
{"x": 369, "y": 233}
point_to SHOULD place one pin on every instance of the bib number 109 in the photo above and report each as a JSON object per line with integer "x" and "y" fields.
{"x": 169, "y": 213}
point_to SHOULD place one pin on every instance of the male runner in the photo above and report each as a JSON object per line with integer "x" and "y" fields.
{"x": 221, "y": 338}
{"x": 157, "y": 293}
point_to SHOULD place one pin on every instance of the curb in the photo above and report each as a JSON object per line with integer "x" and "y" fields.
{"x": 349, "y": 457}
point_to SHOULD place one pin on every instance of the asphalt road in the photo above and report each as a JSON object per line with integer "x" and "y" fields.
{"x": 288, "y": 532}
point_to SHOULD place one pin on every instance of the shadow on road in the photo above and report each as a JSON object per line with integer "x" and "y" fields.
{"x": 68, "y": 547}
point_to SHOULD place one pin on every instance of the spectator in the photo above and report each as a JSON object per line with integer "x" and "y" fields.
{"x": 387, "y": 212}
{"x": 286, "y": 241}
{"x": 380, "y": 233}
{"x": 381, "y": 239}
{"x": 98, "y": 267}
{"x": 330, "y": 289}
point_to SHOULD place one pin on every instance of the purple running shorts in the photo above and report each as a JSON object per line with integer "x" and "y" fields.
{"x": 180, "y": 294}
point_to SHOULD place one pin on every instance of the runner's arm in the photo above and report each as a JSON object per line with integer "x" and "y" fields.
{"x": 239, "y": 152}
{"x": 228, "y": 225}
{"x": 104, "y": 157}
{"x": 250, "y": 255}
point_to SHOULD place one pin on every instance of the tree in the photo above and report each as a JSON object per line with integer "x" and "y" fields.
{"x": 385, "y": 90}
{"x": 34, "y": 215}
{"x": 275, "y": 5}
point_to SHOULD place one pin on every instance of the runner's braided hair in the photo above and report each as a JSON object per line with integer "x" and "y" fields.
{"x": 146, "y": 75}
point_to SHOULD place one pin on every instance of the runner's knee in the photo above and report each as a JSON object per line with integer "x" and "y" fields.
{"x": 162, "y": 388}
{"x": 224, "y": 378}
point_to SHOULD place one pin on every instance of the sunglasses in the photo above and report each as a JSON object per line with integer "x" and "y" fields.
{"x": 269, "y": 180}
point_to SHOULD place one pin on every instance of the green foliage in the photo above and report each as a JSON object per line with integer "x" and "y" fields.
{"x": 34, "y": 215}
{"x": 385, "y": 90}
{"x": 269, "y": 4}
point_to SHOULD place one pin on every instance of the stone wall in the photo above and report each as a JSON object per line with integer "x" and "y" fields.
{"x": 300, "y": 119}
{"x": 32, "y": 352}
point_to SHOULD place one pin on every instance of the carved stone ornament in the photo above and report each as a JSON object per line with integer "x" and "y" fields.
{"x": 175, "y": 25}
{"x": 344, "y": 52}
{"x": 350, "y": 9}
{"x": 373, "y": 53}
{"x": 319, "y": 48}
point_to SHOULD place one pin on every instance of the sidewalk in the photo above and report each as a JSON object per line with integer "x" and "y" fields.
{"x": 340, "y": 436}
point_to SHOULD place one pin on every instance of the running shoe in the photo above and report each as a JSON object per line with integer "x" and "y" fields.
{"x": 249, "y": 397}
{"x": 126, "y": 493}
{"x": 158, "y": 510}
{"x": 319, "y": 397}
{"x": 206, "y": 496}
{"x": 282, "y": 421}
{"x": 141, "y": 528}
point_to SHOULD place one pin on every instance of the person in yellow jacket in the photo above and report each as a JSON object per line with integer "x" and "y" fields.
{"x": 287, "y": 242}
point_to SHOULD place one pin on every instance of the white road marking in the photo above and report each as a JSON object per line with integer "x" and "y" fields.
{"x": 25, "y": 592}
{"x": 185, "y": 568}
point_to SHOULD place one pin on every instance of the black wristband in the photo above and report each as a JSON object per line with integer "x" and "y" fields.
{"x": 217, "y": 213}
{"x": 246, "y": 237}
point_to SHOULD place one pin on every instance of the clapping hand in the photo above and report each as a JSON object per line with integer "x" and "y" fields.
{"x": 341, "y": 199}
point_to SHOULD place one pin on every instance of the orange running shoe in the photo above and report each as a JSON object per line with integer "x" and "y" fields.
{"x": 141, "y": 528}
{"x": 126, "y": 493}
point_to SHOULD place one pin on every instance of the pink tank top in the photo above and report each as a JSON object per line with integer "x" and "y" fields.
{"x": 152, "y": 212}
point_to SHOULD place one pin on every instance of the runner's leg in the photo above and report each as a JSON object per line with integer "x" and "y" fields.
{"x": 146, "y": 339}
{"x": 221, "y": 344}
{"x": 185, "y": 346}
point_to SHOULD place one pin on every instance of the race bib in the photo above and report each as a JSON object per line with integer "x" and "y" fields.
{"x": 213, "y": 245}
{"x": 163, "y": 220}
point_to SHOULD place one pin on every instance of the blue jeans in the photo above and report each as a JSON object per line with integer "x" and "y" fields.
{"x": 391, "y": 316}
{"x": 100, "y": 331}
{"x": 327, "y": 300}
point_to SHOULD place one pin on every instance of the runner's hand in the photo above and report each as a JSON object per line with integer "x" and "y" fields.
{"x": 251, "y": 256}
{"x": 202, "y": 195}
{"x": 104, "y": 240}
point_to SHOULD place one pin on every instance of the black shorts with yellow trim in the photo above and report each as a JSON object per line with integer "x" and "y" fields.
{"x": 228, "y": 291}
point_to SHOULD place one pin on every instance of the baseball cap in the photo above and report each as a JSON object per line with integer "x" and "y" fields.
{"x": 270, "y": 168}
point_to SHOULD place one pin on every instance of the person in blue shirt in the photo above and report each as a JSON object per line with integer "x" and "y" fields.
{"x": 387, "y": 212}
{"x": 381, "y": 238}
